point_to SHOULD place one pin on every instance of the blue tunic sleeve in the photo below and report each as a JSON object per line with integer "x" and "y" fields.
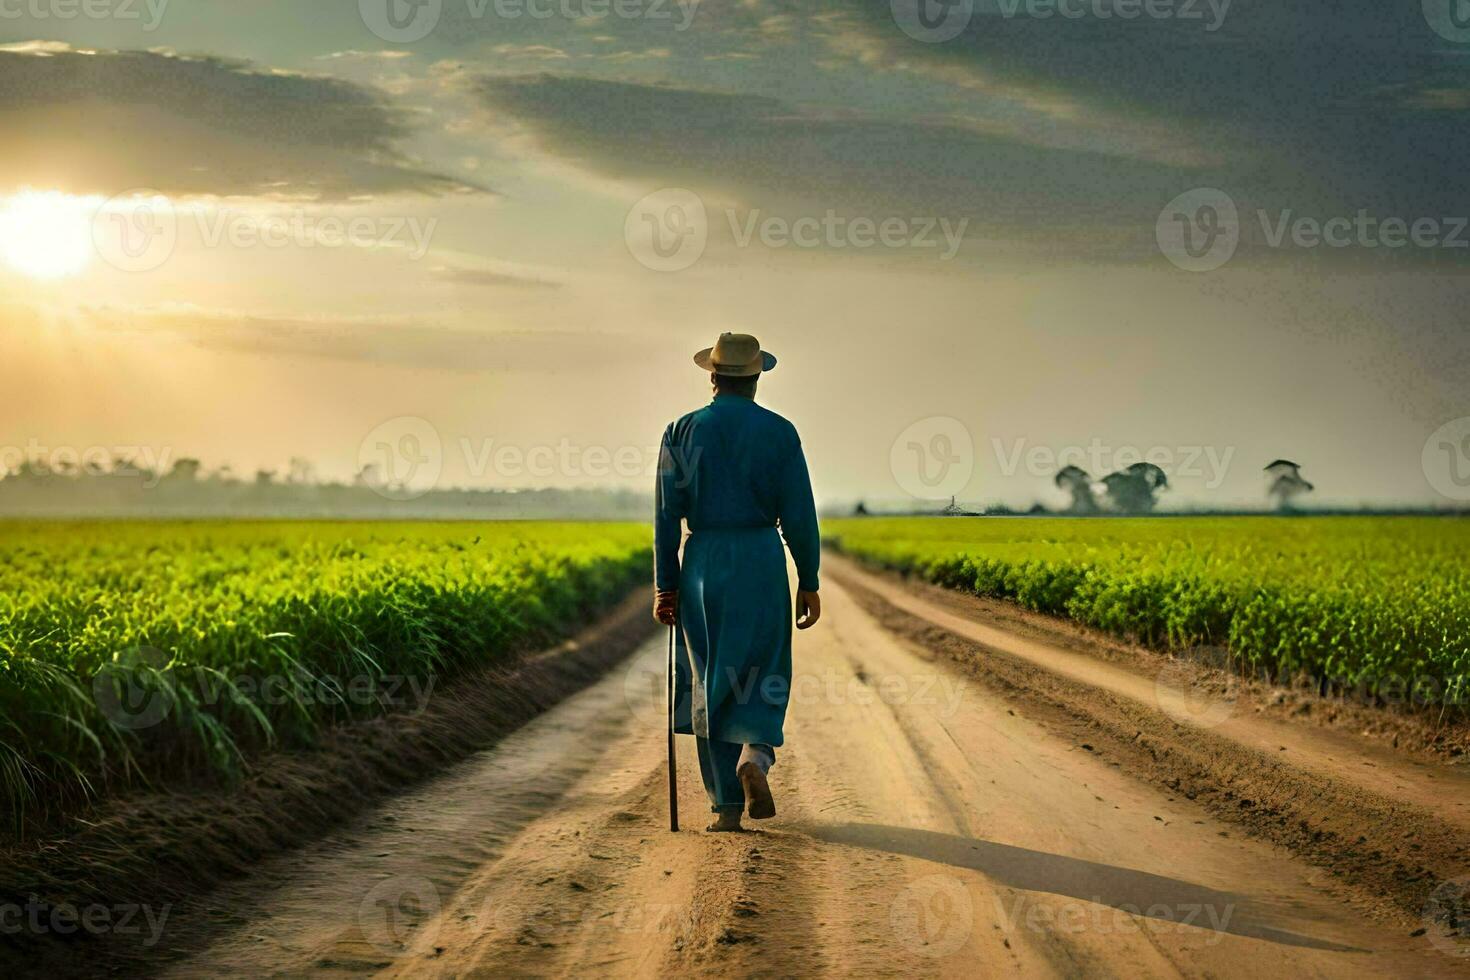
{"x": 670, "y": 507}
{"x": 799, "y": 519}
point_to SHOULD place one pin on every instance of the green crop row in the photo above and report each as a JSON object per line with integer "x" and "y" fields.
{"x": 137, "y": 652}
{"x": 1378, "y": 605}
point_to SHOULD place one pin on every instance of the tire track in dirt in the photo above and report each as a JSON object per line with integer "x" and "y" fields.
{"x": 1393, "y": 851}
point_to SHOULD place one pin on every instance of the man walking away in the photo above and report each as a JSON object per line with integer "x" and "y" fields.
{"x": 734, "y": 473}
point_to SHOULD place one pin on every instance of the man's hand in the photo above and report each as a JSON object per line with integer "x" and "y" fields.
{"x": 666, "y": 606}
{"x": 808, "y": 609}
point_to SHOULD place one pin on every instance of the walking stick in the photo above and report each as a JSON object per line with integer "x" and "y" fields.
{"x": 673, "y": 771}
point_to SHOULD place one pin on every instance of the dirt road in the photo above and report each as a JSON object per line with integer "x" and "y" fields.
{"x": 924, "y": 827}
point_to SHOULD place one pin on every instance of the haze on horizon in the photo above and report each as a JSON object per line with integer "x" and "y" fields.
{"x": 369, "y": 228}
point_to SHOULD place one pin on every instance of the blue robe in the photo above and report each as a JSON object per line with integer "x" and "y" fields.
{"x": 734, "y": 472}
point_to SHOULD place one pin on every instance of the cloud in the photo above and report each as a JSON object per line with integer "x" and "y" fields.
{"x": 101, "y": 122}
{"x": 1283, "y": 104}
{"x": 1067, "y": 129}
{"x": 411, "y": 341}
{"x": 504, "y": 275}
{"x": 541, "y": 52}
{"x": 764, "y": 153}
{"x": 355, "y": 55}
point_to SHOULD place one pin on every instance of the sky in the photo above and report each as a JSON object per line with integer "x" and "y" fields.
{"x": 984, "y": 238}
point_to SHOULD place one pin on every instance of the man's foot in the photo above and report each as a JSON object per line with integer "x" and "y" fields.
{"x": 725, "y": 823}
{"x": 757, "y": 791}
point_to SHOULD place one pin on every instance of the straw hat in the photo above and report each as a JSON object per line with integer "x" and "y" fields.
{"x": 738, "y": 355}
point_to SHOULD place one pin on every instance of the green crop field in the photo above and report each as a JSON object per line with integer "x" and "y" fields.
{"x": 1376, "y": 604}
{"x": 133, "y": 652}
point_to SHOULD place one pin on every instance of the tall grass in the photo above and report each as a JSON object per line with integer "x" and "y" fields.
{"x": 159, "y": 653}
{"x": 1376, "y": 604}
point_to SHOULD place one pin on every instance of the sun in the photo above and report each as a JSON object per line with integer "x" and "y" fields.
{"x": 45, "y": 234}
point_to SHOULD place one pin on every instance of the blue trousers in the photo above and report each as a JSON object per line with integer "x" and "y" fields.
{"x": 718, "y": 762}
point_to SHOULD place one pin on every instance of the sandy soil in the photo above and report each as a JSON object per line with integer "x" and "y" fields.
{"x": 1162, "y": 684}
{"x": 925, "y": 826}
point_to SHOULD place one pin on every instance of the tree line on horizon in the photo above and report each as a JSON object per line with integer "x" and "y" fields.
{"x": 124, "y": 488}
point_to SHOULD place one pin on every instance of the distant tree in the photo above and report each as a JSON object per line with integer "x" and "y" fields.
{"x": 185, "y": 469}
{"x": 264, "y": 478}
{"x": 301, "y": 472}
{"x": 1133, "y": 490}
{"x": 368, "y": 476}
{"x": 1077, "y": 482}
{"x": 861, "y": 510}
{"x": 1285, "y": 483}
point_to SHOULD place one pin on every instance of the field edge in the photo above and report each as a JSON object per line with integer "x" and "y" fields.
{"x": 170, "y": 849}
{"x": 1387, "y": 853}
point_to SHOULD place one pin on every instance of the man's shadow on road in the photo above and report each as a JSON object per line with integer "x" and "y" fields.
{"x": 1135, "y": 892}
